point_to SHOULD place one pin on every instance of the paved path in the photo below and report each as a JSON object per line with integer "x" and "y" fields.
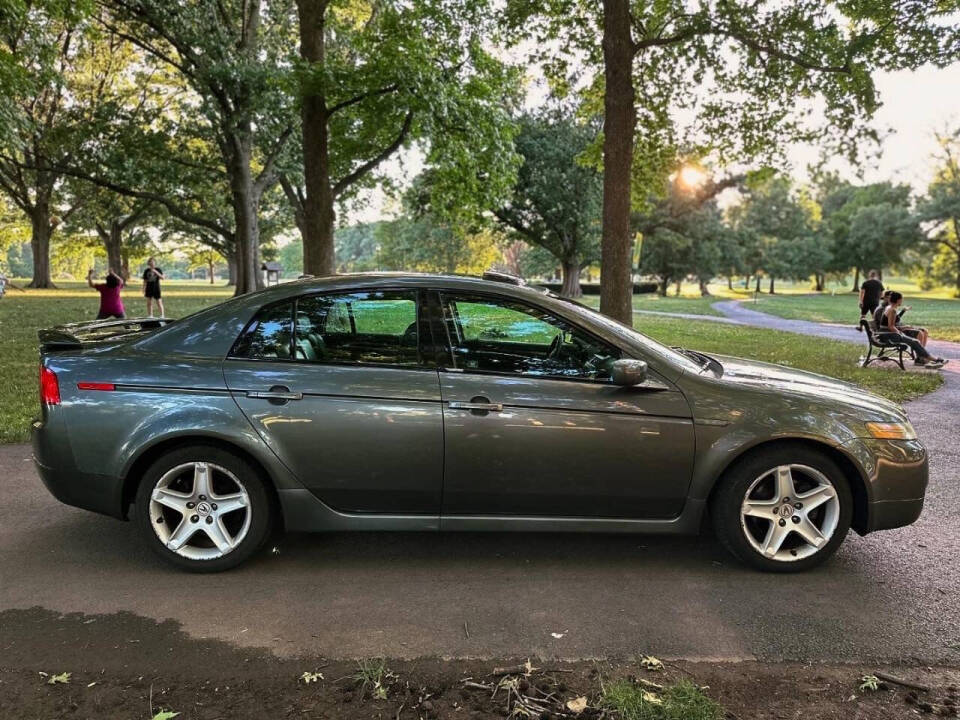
{"x": 892, "y": 595}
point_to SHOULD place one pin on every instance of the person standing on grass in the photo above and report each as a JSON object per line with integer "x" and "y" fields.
{"x": 111, "y": 305}
{"x": 888, "y": 328}
{"x": 870, "y": 293}
{"x": 151, "y": 286}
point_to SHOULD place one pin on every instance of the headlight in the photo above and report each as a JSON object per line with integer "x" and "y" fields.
{"x": 892, "y": 431}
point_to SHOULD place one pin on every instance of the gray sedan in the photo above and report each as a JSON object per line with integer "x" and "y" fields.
{"x": 426, "y": 402}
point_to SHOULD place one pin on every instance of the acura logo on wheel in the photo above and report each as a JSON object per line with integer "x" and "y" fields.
{"x": 786, "y": 510}
{"x": 203, "y": 509}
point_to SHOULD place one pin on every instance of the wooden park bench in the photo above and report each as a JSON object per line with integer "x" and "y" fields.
{"x": 888, "y": 348}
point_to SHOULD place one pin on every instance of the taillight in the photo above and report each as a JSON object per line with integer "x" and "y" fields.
{"x": 49, "y": 387}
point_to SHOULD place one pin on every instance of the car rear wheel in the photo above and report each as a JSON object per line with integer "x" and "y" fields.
{"x": 783, "y": 509}
{"x": 203, "y": 509}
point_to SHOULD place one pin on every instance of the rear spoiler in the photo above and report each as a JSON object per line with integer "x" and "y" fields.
{"x": 74, "y": 335}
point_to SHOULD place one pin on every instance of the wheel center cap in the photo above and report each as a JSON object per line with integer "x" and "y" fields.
{"x": 203, "y": 509}
{"x": 786, "y": 510}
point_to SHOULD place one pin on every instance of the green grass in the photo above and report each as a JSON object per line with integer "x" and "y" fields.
{"x": 941, "y": 316}
{"x": 683, "y": 701}
{"x": 23, "y": 313}
{"x": 827, "y": 357}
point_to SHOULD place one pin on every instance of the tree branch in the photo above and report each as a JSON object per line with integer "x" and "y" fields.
{"x": 361, "y": 97}
{"x": 266, "y": 178}
{"x": 366, "y": 167}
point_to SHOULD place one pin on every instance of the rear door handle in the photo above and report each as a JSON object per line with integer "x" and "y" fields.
{"x": 277, "y": 392}
{"x": 459, "y": 405}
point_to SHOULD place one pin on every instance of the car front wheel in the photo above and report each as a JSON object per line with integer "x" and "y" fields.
{"x": 203, "y": 509}
{"x": 783, "y": 509}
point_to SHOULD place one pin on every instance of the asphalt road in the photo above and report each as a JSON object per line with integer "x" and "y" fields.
{"x": 890, "y": 596}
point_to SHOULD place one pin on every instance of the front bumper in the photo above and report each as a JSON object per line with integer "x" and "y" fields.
{"x": 896, "y": 473}
{"x": 57, "y": 469}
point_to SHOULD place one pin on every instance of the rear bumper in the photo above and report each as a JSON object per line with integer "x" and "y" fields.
{"x": 897, "y": 472}
{"x": 55, "y": 465}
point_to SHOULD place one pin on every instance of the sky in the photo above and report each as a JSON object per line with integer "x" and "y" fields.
{"x": 916, "y": 104}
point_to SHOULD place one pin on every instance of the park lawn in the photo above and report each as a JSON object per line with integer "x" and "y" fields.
{"x": 941, "y": 316}
{"x": 23, "y": 313}
{"x": 827, "y": 357}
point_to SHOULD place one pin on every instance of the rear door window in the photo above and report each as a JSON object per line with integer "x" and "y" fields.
{"x": 269, "y": 336}
{"x": 378, "y": 327}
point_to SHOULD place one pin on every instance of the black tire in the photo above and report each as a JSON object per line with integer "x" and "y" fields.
{"x": 261, "y": 506}
{"x": 727, "y": 500}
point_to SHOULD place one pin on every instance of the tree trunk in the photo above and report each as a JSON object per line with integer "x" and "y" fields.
{"x": 729, "y": 282}
{"x": 40, "y": 232}
{"x": 571, "y": 279}
{"x": 318, "y": 210}
{"x": 245, "y": 202}
{"x": 819, "y": 282}
{"x": 856, "y": 280}
{"x": 113, "y": 244}
{"x": 662, "y": 286}
{"x": 210, "y": 270}
{"x": 704, "y": 290}
{"x": 619, "y": 118}
{"x": 746, "y": 281}
{"x": 771, "y": 284}
{"x": 758, "y": 282}
{"x": 676, "y": 290}
{"x": 231, "y": 269}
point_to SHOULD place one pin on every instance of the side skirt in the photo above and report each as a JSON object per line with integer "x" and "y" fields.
{"x": 304, "y": 512}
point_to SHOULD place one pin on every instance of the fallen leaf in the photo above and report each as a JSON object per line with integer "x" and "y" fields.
{"x": 558, "y": 635}
{"x": 578, "y": 705}
{"x": 309, "y": 677}
{"x": 90, "y": 685}
{"x": 649, "y": 662}
{"x": 651, "y": 698}
{"x": 165, "y": 715}
{"x": 63, "y": 678}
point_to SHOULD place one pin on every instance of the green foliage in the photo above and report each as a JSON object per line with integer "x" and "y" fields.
{"x": 941, "y": 206}
{"x": 356, "y": 247}
{"x": 431, "y": 244}
{"x": 779, "y": 232}
{"x": 739, "y": 80}
{"x": 556, "y": 200}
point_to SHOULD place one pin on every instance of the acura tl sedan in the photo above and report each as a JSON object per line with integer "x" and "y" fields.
{"x": 430, "y": 402}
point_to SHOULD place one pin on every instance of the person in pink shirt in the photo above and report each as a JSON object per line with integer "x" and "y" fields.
{"x": 110, "y": 303}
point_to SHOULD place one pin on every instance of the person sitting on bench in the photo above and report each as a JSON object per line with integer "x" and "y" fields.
{"x": 887, "y": 327}
{"x": 919, "y": 334}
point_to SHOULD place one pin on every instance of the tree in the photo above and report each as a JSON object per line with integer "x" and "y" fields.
{"x": 747, "y": 69}
{"x": 430, "y": 244}
{"x": 847, "y": 213}
{"x": 780, "y": 224}
{"x": 52, "y": 49}
{"x": 357, "y": 247}
{"x": 556, "y": 199}
{"x": 682, "y": 232}
{"x": 941, "y": 206}
{"x": 232, "y": 55}
{"x": 376, "y": 77}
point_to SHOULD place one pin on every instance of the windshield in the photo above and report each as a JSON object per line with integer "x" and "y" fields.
{"x": 628, "y": 333}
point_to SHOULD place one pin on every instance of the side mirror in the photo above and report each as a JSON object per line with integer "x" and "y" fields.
{"x": 629, "y": 372}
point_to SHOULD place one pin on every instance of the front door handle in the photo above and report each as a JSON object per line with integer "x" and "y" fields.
{"x": 476, "y": 404}
{"x": 278, "y": 394}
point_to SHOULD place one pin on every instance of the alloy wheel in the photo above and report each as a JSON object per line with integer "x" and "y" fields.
{"x": 200, "y": 510}
{"x": 790, "y": 512}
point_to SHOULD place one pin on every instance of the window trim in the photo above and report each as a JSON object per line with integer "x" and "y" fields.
{"x": 439, "y": 294}
{"x": 419, "y": 295}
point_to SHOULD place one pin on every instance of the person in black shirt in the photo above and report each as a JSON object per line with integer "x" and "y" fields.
{"x": 870, "y": 293}
{"x": 151, "y": 286}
